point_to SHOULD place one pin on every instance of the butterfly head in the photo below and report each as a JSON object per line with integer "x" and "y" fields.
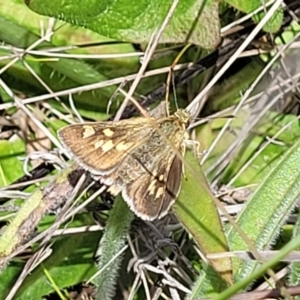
{"x": 183, "y": 116}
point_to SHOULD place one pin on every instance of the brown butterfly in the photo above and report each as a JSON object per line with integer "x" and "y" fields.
{"x": 137, "y": 157}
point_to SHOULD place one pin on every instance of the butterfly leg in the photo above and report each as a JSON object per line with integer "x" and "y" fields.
{"x": 195, "y": 145}
{"x": 183, "y": 152}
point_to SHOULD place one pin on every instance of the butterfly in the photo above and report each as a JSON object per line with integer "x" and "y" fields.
{"x": 136, "y": 157}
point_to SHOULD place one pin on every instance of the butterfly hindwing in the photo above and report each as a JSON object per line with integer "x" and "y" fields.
{"x": 152, "y": 194}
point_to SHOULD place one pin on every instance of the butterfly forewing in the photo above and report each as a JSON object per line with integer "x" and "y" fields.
{"x": 101, "y": 146}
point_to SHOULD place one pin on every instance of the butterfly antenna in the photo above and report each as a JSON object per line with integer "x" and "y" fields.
{"x": 114, "y": 96}
{"x": 74, "y": 109}
{"x": 138, "y": 106}
{"x": 171, "y": 77}
{"x": 174, "y": 91}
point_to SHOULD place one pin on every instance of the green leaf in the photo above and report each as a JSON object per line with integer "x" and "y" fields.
{"x": 267, "y": 210}
{"x": 259, "y": 167}
{"x": 108, "y": 253}
{"x": 135, "y": 21}
{"x": 292, "y": 245}
{"x": 59, "y": 75}
{"x": 11, "y": 168}
{"x": 207, "y": 284}
{"x": 247, "y": 6}
{"x": 227, "y": 92}
{"x": 70, "y": 263}
{"x": 294, "y": 267}
{"x": 9, "y": 276}
{"x": 196, "y": 210}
